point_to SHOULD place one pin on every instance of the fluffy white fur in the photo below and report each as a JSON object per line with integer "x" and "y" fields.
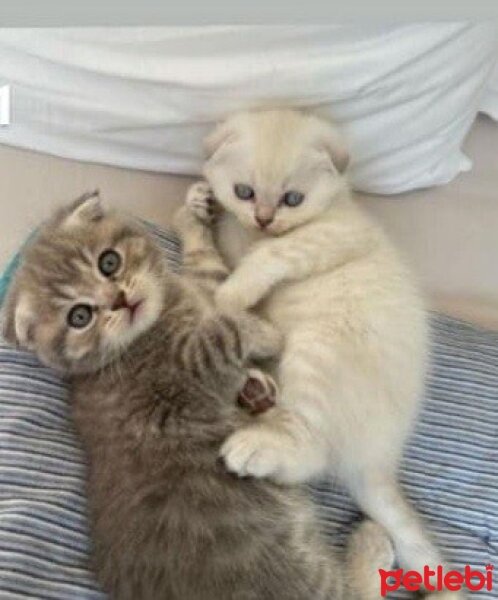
{"x": 352, "y": 371}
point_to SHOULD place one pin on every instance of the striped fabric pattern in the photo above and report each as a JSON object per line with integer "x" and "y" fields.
{"x": 449, "y": 471}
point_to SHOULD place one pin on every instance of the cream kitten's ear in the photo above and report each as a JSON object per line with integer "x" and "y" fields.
{"x": 331, "y": 141}
{"x": 19, "y": 320}
{"x": 86, "y": 209}
{"x": 223, "y": 134}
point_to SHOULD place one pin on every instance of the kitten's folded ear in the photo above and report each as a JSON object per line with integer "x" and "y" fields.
{"x": 222, "y": 134}
{"x": 19, "y": 319}
{"x": 85, "y": 209}
{"x": 331, "y": 141}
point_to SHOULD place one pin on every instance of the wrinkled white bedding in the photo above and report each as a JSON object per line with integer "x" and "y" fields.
{"x": 144, "y": 97}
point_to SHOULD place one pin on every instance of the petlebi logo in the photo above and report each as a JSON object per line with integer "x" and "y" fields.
{"x": 436, "y": 581}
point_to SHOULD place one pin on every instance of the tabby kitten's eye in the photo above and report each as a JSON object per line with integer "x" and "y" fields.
{"x": 243, "y": 191}
{"x": 80, "y": 316}
{"x": 292, "y": 198}
{"x": 109, "y": 262}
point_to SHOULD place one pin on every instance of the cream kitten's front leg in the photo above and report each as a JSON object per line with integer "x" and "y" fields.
{"x": 252, "y": 280}
{"x": 297, "y": 255}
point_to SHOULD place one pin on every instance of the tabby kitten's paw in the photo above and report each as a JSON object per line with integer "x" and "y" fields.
{"x": 258, "y": 394}
{"x": 185, "y": 222}
{"x": 201, "y": 202}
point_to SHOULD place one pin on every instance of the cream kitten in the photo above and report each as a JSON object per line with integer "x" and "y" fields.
{"x": 352, "y": 372}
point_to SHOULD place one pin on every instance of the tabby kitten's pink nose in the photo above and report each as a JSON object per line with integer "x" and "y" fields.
{"x": 120, "y": 301}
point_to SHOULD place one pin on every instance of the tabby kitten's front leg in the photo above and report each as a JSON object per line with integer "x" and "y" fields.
{"x": 257, "y": 449}
{"x": 204, "y": 267}
{"x": 272, "y": 445}
{"x": 202, "y": 263}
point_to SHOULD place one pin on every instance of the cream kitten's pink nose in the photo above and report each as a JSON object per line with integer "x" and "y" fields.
{"x": 263, "y": 221}
{"x": 264, "y": 213}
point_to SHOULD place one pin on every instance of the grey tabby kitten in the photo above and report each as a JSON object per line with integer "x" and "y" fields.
{"x": 154, "y": 373}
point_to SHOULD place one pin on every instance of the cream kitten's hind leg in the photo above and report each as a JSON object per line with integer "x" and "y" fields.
{"x": 280, "y": 446}
{"x": 378, "y": 494}
{"x": 369, "y": 549}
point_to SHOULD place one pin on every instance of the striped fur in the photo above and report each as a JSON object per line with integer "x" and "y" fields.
{"x": 167, "y": 519}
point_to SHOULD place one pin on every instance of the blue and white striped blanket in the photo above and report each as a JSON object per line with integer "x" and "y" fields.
{"x": 450, "y": 469}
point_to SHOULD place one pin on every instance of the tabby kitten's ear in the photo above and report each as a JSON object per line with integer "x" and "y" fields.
{"x": 85, "y": 209}
{"x": 19, "y": 320}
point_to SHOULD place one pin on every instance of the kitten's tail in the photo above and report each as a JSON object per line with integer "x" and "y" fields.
{"x": 369, "y": 549}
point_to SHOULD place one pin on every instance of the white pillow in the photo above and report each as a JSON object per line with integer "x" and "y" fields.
{"x": 489, "y": 102}
{"x": 145, "y": 97}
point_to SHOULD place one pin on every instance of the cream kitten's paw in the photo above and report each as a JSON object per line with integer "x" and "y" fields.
{"x": 229, "y": 300}
{"x": 256, "y": 451}
{"x": 201, "y": 202}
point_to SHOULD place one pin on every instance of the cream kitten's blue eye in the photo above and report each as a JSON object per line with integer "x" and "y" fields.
{"x": 80, "y": 316}
{"x": 243, "y": 191}
{"x": 292, "y": 198}
{"x": 109, "y": 262}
